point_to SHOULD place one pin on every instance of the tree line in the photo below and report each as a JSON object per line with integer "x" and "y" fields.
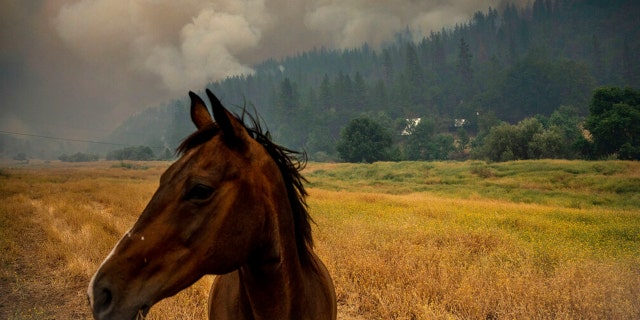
{"x": 135, "y": 153}
{"x": 612, "y": 130}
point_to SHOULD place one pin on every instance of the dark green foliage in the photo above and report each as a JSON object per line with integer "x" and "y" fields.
{"x": 614, "y": 123}
{"x": 463, "y": 139}
{"x": 425, "y": 143}
{"x": 539, "y": 85}
{"x": 534, "y": 138}
{"x": 140, "y": 153}
{"x": 364, "y": 140}
{"x": 507, "y": 142}
{"x": 568, "y": 124}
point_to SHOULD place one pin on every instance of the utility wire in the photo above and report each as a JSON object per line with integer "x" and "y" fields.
{"x": 74, "y": 140}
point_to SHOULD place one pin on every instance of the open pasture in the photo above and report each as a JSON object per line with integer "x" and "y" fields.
{"x": 460, "y": 240}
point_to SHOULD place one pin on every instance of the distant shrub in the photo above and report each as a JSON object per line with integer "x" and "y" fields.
{"x": 21, "y": 157}
{"x": 364, "y": 140}
{"x": 482, "y": 171}
{"x": 129, "y": 165}
{"x": 139, "y": 153}
{"x": 79, "y": 157}
{"x": 167, "y": 155}
{"x": 321, "y": 156}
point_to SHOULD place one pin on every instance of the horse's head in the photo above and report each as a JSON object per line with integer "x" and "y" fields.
{"x": 208, "y": 216}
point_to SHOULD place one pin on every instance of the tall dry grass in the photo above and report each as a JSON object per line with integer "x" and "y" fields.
{"x": 423, "y": 257}
{"x": 547, "y": 252}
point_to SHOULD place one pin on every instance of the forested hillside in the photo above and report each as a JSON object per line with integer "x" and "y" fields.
{"x": 503, "y": 65}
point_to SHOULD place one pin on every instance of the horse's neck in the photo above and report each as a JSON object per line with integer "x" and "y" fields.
{"x": 274, "y": 284}
{"x": 271, "y": 292}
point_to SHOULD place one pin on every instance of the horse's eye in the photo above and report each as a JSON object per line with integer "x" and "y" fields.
{"x": 199, "y": 192}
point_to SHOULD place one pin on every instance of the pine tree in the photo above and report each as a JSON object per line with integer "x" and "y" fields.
{"x": 628, "y": 74}
{"x": 439, "y": 58}
{"x": 387, "y": 66}
{"x": 412, "y": 68}
{"x": 597, "y": 60}
{"x": 464, "y": 62}
{"x": 326, "y": 99}
{"x": 360, "y": 99}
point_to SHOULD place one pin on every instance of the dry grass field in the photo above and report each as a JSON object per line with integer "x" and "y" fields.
{"x": 519, "y": 240}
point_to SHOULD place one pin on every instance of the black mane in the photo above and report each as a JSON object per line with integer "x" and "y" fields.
{"x": 289, "y": 162}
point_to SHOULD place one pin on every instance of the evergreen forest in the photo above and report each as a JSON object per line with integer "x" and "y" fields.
{"x": 527, "y": 73}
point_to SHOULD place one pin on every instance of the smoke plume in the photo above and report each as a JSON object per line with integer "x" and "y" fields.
{"x": 187, "y": 44}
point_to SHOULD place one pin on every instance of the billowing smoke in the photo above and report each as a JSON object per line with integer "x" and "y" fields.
{"x": 188, "y": 43}
{"x": 206, "y": 52}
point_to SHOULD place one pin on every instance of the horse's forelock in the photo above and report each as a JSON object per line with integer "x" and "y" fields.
{"x": 197, "y": 138}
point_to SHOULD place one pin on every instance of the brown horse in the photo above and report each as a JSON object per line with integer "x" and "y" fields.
{"x": 232, "y": 205}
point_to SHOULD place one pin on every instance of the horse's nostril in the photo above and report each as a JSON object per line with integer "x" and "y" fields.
{"x": 103, "y": 299}
{"x": 106, "y": 296}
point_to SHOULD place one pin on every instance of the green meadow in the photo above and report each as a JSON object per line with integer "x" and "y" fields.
{"x": 547, "y": 239}
{"x": 575, "y": 184}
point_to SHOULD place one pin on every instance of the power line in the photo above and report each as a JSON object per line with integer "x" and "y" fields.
{"x": 73, "y": 140}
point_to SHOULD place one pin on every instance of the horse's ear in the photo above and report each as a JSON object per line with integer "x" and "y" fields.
{"x": 232, "y": 130}
{"x": 199, "y": 113}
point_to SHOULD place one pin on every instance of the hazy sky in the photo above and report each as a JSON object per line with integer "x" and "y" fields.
{"x": 76, "y": 68}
